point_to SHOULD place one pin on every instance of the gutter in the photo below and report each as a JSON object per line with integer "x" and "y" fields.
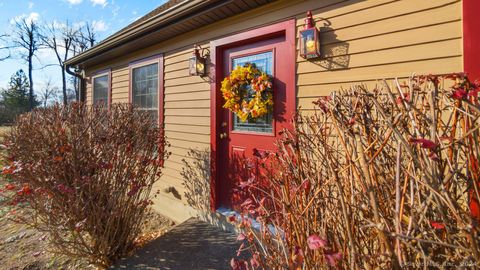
{"x": 81, "y": 81}
{"x": 142, "y": 28}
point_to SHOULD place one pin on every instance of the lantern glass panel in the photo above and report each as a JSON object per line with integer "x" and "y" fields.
{"x": 193, "y": 66}
{"x": 200, "y": 66}
{"x": 309, "y": 43}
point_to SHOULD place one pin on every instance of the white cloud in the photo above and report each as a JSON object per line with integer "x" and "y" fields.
{"x": 99, "y": 26}
{"x": 74, "y": 2}
{"x": 30, "y": 5}
{"x": 32, "y": 17}
{"x": 102, "y": 3}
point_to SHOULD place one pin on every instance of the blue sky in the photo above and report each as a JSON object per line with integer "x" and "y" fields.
{"x": 107, "y": 16}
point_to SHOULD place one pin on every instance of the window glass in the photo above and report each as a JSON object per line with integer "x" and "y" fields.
{"x": 100, "y": 90}
{"x": 145, "y": 89}
{"x": 264, "y": 124}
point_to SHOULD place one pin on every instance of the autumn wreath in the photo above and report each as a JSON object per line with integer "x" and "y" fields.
{"x": 248, "y": 92}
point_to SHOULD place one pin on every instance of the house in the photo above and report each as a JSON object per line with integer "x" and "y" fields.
{"x": 147, "y": 63}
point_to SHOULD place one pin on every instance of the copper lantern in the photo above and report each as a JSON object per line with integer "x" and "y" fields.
{"x": 197, "y": 63}
{"x": 309, "y": 39}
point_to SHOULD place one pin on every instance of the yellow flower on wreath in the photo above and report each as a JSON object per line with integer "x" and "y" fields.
{"x": 236, "y": 91}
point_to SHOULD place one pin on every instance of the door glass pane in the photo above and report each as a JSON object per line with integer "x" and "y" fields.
{"x": 264, "y": 124}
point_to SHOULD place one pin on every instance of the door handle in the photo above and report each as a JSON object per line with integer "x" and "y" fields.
{"x": 223, "y": 135}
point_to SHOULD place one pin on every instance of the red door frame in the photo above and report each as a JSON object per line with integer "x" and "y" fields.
{"x": 471, "y": 61}
{"x": 286, "y": 28}
{"x": 471, "y": 38}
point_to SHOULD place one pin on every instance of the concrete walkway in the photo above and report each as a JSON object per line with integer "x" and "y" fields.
{"x": 191, "y": 245}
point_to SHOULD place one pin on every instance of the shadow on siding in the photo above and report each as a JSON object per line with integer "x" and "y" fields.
{"x": 196, "y": 179}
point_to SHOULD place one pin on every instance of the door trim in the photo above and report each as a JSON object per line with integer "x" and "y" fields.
{"x": 286, "y": 29}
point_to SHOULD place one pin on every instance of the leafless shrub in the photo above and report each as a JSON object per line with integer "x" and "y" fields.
{"x": 87, "y": 176}
{"x": 382, "y": 179}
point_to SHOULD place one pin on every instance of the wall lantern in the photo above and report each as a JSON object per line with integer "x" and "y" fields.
{"x": 309, "y": 39}
{"x": 197, "y": 63}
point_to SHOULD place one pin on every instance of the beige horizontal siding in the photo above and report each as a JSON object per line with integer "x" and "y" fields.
{"x": 187, "y": 116}
{"x": 120, "y": 84}
{"x": 381, "y": 39}
{"x": 362, "y": 41}
{"x": 89, "y": 96}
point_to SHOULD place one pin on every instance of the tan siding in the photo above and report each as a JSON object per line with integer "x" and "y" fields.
{"x": 89, "y": 97}
{"x": 404, "y": 37}
{"x": 187, "y": 129}
{"x": 362, "y": 41}
{"x": 187, "y": 114}
{"x": 120, "y": 84}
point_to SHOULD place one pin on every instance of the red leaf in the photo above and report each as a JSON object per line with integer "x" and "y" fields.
{"x": 406, "y": 98}
{"x": 433, "y": 156}
{"x": 248, "y": 202}
{"x": 352, "y": 121}
{"x": 297, "y": 256}
{"x": 306, "y": 185}
{"x": 241, "y": 237}
{"x": 424, "y": 143}
{"x": 437, "y": 225}
{"x": 238, "y": 264}
{"x": 232, "y": 218}
{"x": 255, "y": 261}
{"x": 314, "y": 242}
{"x": 459, "y": 94}
{"x": 332, "y": 257}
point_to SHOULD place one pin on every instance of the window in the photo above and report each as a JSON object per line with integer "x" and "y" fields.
{"x": 145, "y": 89}
{"x": 100, "y": 90}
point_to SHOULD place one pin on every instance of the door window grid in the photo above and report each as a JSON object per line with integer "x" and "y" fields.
{"x": 100, "y": 90}
{"x": 145, "y": 89}
{"x": 264, "y": 124}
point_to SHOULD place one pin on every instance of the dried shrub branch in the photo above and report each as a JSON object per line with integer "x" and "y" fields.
{"x": 87, "y": 174}
{"x": 381, "y": 179}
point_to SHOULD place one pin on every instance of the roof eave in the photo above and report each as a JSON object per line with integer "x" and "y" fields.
{"x": 126, "y": 35}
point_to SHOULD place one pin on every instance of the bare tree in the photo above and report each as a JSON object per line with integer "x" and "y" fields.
{"x": 88, "y": 37}
{"x": 85, "y": 39}
{"x": 4, "y": 47}
{"x": 49, "y": 92}
{"x": 26, "y": 37}
{"x": 60, "y": 38}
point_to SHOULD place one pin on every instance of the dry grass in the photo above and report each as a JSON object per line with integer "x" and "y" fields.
{"x": 3, "y": 129}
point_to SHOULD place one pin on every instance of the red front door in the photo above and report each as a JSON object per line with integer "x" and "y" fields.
{"x": 240, "y": 140}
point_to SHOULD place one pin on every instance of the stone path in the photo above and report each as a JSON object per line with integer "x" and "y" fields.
{"x": 191, "y": 245}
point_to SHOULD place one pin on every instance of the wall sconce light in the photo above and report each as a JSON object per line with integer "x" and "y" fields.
{"x": 197, "y": 63}
{"x": 309, "y": 39}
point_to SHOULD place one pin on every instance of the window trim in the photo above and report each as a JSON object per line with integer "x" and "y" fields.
{"x": 101, "y": 73}
{"x": 155, "y": 59}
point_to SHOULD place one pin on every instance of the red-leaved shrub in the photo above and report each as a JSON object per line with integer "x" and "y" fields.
{"x": 381, "y": 179}
{"x": 85, "y": 175}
